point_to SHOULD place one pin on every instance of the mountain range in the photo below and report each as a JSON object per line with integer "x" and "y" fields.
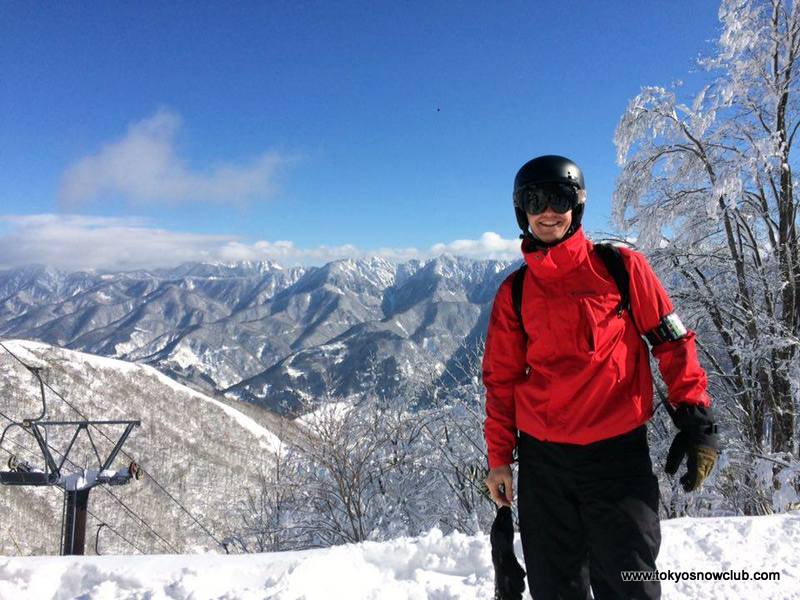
{"x": 278, "y": 337}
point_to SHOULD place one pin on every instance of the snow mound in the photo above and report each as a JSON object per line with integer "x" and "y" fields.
{"x": 433, "y": 566}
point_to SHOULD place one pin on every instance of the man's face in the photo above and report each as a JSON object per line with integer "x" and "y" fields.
{"x": 550, "y": 226}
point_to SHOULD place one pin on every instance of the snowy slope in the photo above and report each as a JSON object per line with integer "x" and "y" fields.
{"x": 429, "y": 567}
{"x": 25, "y": 349}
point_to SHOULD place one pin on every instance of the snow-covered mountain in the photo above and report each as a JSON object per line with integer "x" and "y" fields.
{"x": 206, "y": 452}
{"x": 432, "y": 566}
{"x": 264, "y": 334}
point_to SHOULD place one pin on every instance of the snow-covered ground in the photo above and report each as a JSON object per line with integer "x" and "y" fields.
{"x": 433, "y": 567}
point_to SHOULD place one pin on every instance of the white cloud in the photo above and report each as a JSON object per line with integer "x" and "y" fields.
{"x": 490, "y": 245}
{"x": 143, "y": 167}
{"x": 75, "y": 242}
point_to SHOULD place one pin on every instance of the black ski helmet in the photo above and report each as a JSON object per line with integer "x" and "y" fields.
{"x": 549, "y": 169}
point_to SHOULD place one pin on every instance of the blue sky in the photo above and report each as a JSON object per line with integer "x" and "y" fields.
{"x": 163, "y": 132}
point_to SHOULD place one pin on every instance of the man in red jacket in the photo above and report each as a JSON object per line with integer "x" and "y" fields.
{"x": 570, "y": 388}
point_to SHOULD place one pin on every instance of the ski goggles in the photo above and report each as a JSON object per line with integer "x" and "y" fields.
{"x": 560, "y": 197}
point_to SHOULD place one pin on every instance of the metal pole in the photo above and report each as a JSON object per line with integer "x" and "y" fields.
{"x": 76, "y": 502}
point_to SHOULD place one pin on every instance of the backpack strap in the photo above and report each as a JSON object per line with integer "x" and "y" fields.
{"x": 517, "y": 286}
{"x": 612, "y": 259}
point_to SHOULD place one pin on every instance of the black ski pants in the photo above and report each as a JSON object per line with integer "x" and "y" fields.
{"x": 585, "y": 514}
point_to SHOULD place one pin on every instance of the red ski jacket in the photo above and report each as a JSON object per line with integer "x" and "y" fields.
{"x": 585, "y": 374}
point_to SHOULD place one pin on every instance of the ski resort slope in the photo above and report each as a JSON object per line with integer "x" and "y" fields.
{"x": 433, "y": 566}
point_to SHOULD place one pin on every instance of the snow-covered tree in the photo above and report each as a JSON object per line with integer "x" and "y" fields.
{"x": 457, "y": 448}
{"x": 374, "y": 467}
{"x": 707, "y": 186}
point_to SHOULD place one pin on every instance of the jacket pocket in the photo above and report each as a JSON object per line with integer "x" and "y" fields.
{"x": 601, "y": 322}
{"x": 588, "y": 333}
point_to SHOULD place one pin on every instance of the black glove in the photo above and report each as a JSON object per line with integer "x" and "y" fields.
{"x": 509, "y": 577}
{"x": 697, "y": 440}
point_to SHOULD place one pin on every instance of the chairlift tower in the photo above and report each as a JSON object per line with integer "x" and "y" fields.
{"x": 77, "y": 485}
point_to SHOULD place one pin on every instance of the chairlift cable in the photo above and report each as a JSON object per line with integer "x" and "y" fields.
{"x": 146, "y": 524}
